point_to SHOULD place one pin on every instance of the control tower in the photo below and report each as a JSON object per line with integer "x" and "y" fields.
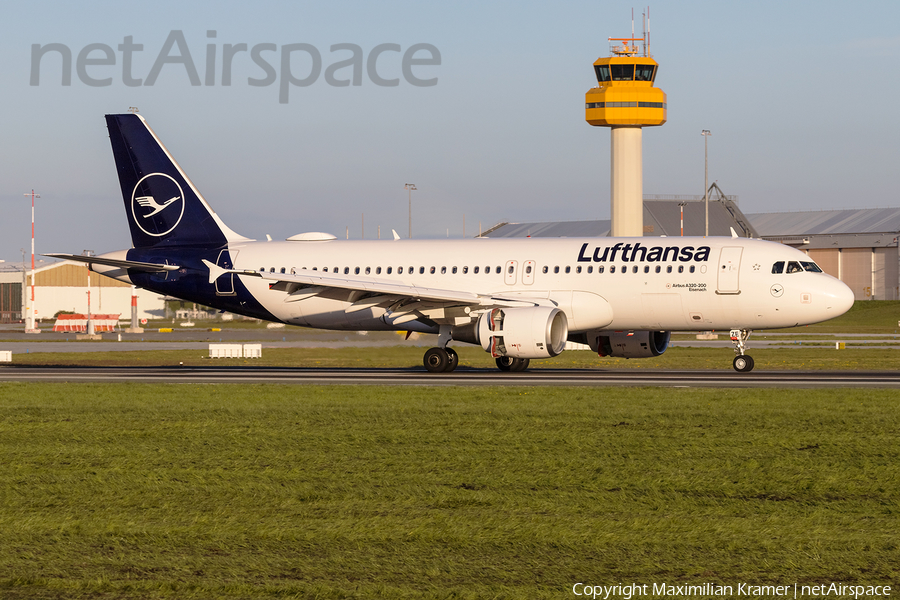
{"x": 625, "y": 101}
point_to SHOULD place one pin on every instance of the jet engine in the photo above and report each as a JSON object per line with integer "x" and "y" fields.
{"x": 533, "y": 332}
{"x": 626, "y": 344}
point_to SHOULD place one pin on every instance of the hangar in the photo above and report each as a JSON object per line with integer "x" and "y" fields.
{"x": 64, "y": 286}
{"x": 858, "y": 246}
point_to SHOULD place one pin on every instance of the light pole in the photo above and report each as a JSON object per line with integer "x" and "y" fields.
{"x": 705, "y": 133}
{"x": 411, "y": 187}
{"x": 29, "y": 310}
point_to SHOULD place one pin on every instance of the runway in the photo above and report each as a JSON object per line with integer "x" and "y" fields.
{"x": 461, "y": 377}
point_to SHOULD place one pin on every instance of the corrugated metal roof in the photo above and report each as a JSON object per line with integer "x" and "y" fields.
{"x": 821, "y": 222}
{"x": 661, "y": 217}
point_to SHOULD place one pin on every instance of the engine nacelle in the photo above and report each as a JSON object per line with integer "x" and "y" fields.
{"x": 628, "y": 344}
{"x": 533, "y": 332}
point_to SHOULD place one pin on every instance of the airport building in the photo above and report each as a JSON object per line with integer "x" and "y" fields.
{"x": 63, "y": 286}
{"x": 858, "y": 246}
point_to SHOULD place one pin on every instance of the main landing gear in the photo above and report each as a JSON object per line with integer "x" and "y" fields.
{"x": 743, "y": 363}
{"x": 515, "y": 365}
{"x": 441, "y": 360}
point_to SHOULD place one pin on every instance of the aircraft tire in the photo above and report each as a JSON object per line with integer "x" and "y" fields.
{"x": 519, "y": 365}
{"x": 743, "y": 363}
{"x": 504, "y": 363}
{"x": 454, "y": 360}
{"x": 436, "y": 360}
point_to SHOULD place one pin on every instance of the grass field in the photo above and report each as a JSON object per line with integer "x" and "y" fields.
{"x": 203, "y": 491}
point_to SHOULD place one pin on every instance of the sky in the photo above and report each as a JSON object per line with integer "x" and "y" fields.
{"x": 800, "y": 99}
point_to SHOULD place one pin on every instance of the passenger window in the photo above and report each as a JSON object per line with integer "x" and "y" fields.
{"x": 578, "y": 269}
{"x": 487, "y": 270}
{"x": 421, "y": 270}
{"x": 612, "y": 269}
{"x": 658, "y": 268}
{"x": 778, "y": 267}
{"x": 568, "y": 269}
{"x": 590, "y": 269}
{"x": 692, "y": 269}
{"x": 475, "y": 270}
{"x": 368, "y": 270}
{"x": 389, "y": 269}
{"x": 356, "y": 271}
{"x": 272, "y": 270}
{"x": 346, "y": 270}
{"x": 600, "y": 269}
{"x": 399, "y": 270}
{"x": 545, "y": 269}
{"x": 262, "y": 269}
{"x": 431, "y": 270}
{"x": 378, "y": 270}
{"x": 625, "y": 269}
{"x": 443, "y": 270}
{"x": 681, "y": 268}
{"x": 646, "y": 268}
{"x": 669, "y": 269}
{"x": 634, "y": 269}
{"x": 811, "y": 267}
{"x": 528, "y": 270}
{"x": 498, "y": 270}
{"x": 510, "y": 269}
{"x": 794, "y": 267}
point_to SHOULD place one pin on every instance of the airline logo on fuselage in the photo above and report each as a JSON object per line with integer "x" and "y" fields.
{"x": 639, "y": 253}
{"x": 157, "y": 204}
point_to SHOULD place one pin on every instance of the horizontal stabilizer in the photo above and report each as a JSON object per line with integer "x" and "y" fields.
{"x": 112, "y": 262}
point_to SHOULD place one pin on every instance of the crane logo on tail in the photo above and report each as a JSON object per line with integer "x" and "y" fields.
{"x": 157, "y": 204}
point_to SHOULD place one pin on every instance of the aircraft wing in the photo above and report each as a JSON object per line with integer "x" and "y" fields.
{"x": 307, "y": 283}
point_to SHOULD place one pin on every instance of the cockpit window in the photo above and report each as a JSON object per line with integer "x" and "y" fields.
{"x": 794, "y": 267}
{"x": 778, "y": 267}
{"x": 811, "y": 267}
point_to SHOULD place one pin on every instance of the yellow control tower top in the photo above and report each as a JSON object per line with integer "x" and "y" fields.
{"x": 626, "y": 95}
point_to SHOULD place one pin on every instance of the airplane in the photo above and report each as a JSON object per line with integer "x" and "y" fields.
{"x": 519, "y": 299}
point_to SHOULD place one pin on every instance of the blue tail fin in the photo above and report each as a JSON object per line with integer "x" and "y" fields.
{"x": 163, "y": 206}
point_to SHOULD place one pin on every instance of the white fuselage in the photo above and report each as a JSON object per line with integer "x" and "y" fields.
{"x": 647, "y": 283}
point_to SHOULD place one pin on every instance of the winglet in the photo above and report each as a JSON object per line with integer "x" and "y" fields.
{"x": 394, "y": 231}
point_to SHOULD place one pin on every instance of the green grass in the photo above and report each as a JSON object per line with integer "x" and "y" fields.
{"x": 204, "y": 491}
{"x": 769, "y": 359}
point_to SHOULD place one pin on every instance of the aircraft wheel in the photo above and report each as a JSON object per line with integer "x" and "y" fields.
{"x": 436, "y": 360}
{"x": 504, "y": 363}
{"x": 743, "y": 363}
{"x": 519, "y": 365}
{"x": 516, "y": 365}
{"x": 454, "y": 360}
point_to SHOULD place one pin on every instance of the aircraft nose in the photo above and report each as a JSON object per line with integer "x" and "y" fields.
{"x": 840, "y": 298}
